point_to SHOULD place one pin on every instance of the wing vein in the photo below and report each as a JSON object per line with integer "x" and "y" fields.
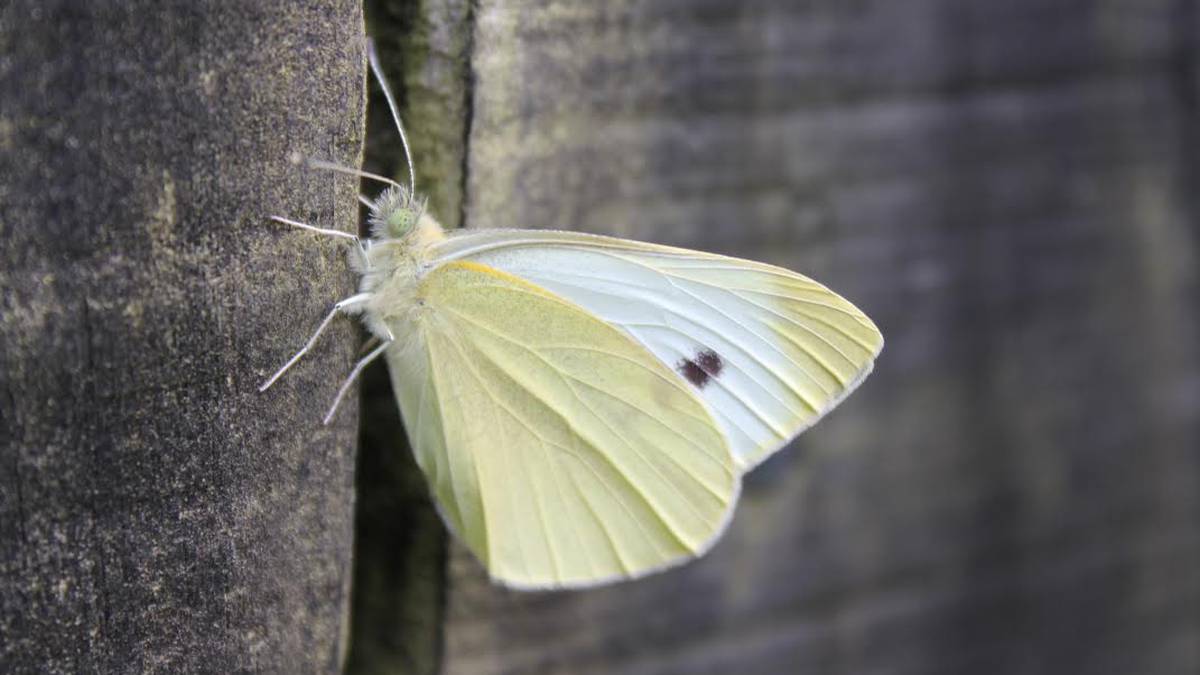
{"x": 454, "y": 493}
{"x": 516, "y": 417}
{"x": 671, "y": 278}
{"x": 562, "y": 374}
{"x": 674, "y": 275}
{"x": 683, "y": 318}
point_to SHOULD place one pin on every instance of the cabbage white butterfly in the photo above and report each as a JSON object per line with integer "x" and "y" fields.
{"x": 584, "y": 406}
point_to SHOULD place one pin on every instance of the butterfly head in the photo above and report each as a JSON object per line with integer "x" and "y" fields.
{"x": 396, "y": 213}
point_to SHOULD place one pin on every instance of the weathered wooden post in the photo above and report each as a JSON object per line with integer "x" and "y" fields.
{"x": 157, "y": 514}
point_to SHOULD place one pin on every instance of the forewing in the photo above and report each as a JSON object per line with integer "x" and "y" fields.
{"x": 769, "y": 350}
{"x": 560, "y": 449}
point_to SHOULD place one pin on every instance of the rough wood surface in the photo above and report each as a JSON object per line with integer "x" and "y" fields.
{"x": 157, "y": 514}
{"x": 1009, "y": 190}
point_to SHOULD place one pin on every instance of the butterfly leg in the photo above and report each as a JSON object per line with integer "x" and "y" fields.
{"x": 348, "y": 303}
{"x": 358, "y": 368}
{"x": 370, "y": 344}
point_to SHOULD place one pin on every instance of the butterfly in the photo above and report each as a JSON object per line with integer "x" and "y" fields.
{"x": 584, "y": 406}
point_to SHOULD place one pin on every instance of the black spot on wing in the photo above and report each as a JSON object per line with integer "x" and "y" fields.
{"x": 706, "y": 365}
{"x": 693, "y": 372}
{"x": 710, "y": 362}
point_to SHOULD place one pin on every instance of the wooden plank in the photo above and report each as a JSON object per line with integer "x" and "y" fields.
{"x": 158, "y": 514}
{"x": 1007, "y": 188}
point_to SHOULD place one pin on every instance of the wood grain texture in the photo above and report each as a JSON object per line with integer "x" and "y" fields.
{"x": 1008, "y": 190}
{"x": 157, "y": 514}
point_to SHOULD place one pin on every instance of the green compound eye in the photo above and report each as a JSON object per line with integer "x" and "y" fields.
{"x": 400, "y": 222}
{"x": 395, "y": 214}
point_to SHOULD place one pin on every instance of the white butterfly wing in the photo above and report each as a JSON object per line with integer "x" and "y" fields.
{"x": 770, "y": 351}
{"x": 561, "y": 450}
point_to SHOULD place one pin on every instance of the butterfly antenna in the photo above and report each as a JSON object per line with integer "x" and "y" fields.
{"x": 338, "y": 168}
{"x": 391, "y": 101}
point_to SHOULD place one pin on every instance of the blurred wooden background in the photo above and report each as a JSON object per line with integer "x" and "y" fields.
{"x": 1008, "y": 188}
